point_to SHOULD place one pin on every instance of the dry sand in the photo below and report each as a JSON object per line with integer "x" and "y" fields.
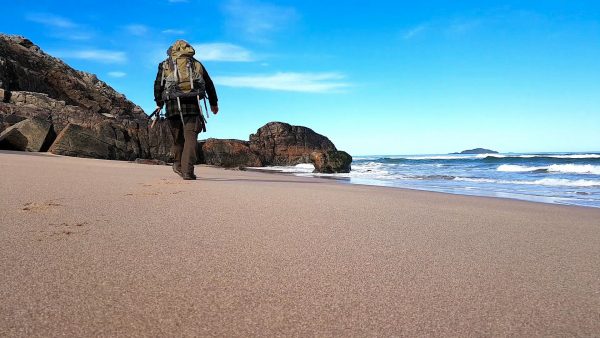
{"x": 106, "y": 248}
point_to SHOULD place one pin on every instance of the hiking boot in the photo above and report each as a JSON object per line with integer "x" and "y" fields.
{"x": 188, "y": 176}
{"x": 177, "y": 169}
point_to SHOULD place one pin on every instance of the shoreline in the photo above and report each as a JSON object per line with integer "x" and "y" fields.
{"x": 96, "y": 247}
{"x": 347, "y": 180}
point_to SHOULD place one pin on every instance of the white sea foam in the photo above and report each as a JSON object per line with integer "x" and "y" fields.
{"x": 557, "y": 182}
{"x": 299, "y": 168}
{"x": 569, "y": 156}
{"x": 518, "y": 168}
{"x": 555, "y": 168}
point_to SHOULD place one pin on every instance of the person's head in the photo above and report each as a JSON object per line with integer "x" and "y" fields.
{"x": 181, "y": 48}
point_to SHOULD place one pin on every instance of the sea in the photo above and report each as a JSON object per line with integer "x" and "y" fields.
{"x": 558, "y": 178}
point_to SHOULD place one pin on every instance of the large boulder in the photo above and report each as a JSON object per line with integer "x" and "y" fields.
{"x": 28, "y": 135}
{"x": 278, "y": 143}
{"x": 34, "y": 84}
{"x": 9, "y": 120}
{"x": 228, "y": 153}
{"x": 333, "y": 161}
{"x": 105, "y": 141}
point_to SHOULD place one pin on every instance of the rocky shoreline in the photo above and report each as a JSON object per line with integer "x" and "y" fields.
{"x": 45, "y": 105}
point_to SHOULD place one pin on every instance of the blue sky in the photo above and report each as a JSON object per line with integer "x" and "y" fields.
{"x": 376, "y": 77}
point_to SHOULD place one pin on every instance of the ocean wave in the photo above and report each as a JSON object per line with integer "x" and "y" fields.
{"x": 539, "y": 156}
{"x": 556, "y": 182}
{"x": 554, "y": 168}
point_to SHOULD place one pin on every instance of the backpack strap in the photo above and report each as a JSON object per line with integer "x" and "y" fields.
{"x": 175, "y": 69}
{"x": 190, "y": 72}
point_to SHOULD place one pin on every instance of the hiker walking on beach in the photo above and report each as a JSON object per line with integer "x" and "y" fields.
{"x": 180, "y": 84}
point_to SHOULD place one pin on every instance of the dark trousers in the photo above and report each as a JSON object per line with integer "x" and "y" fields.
{"x": 186, "y": 139}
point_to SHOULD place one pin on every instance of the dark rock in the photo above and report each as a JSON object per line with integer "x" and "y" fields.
{"x": 8, "y": 120}
{"x": 278, "y": 143}
{"x": 104, "y": 141}
{"x": 333, "y": 161}
{"x": 45, "y": 87}
{"x": 27, "y": 135}
{"x": 149, "y": 161}
{"x": 228, "y": 153}
{"x": 78, "y": 141}
{"x": 199, "y": 154}
{"x": 477, "y": 151}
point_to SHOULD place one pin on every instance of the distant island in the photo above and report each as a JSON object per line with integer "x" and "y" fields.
{"x": 477, "y": 151}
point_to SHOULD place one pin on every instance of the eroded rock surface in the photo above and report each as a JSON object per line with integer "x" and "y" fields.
{"x": 278, "y": 143}
{"x": 228, "y": 153}
{"x": 330, "y": 162}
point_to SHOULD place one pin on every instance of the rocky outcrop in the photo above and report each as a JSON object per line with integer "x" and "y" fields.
{"x": 27, "y": 135}
{"x": 37, "y": 85}
{"x": 330, "y": 162}
{"x": 477, "y": 151}
{"x": 278, "y": 143}
{"x": 228, "y": 153}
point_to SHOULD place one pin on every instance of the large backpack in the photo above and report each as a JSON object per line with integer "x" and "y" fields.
{"x": 182, "y": 74}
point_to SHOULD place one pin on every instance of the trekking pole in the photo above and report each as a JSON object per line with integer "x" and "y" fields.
{"x": 180, "y": 112}
{"x": 157, "y": 113}
{"x": 205, "y": 107}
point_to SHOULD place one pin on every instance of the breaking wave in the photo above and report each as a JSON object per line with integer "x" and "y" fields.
{"x": 554, "y": 168}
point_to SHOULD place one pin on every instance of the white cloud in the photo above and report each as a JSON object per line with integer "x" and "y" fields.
{"x": 99, "y": 55}
{"x": 173, "y": 31}
{"x": 414, "y": 31}
{"x": 222, "y": 51}
{"x": 292, "y": 82}
{"x": 136, "y": 29}
{"x": 51, "y": 20}
{"x": 257, "y": 21}
{"x": 117, "y": 74}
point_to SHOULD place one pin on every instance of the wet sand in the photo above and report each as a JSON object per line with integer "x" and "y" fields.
{"x": 107, "y": 248}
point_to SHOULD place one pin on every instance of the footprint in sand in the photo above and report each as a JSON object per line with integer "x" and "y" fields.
{"x": 64, "y": 230}
{"x": 157, "y": 193}
{"x": 43, "y": 206}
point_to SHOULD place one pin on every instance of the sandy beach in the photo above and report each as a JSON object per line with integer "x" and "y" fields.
{"x": 107, "y": 248}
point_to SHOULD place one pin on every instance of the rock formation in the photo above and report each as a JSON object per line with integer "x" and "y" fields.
{"x": 27, "y": 135}
{"x": 36, "y": 85}
{"x": 278, "y": 143}
{"x": 330, "y": 162}
{"x": 228, "y": 153}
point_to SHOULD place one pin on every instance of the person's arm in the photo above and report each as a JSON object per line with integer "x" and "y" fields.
{"x": 210, "y": 91}
{"x": 158, "y": 87}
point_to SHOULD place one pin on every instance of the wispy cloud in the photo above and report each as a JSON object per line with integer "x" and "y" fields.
{"x": 450, "y": 28}
{"x": 137, "y": 29}
{"x": 98, "y": 55}
{"x": 415, "y": 31}
{"x": 51, "y": 20}
{"x": 462, "y": 26}
{"x": 173, "y": 31}
{"x": 177, "y": 1}
{"x": 291, "y": 82}
{"x": 60, "y": 27}
{"x": 222, "y": 52}
{"x": 257, "y": 21}
{"x": 117, "y": 74}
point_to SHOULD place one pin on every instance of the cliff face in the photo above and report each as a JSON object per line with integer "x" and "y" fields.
{"x": 34, "y": 84}
{"x": 25, "y": 67}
